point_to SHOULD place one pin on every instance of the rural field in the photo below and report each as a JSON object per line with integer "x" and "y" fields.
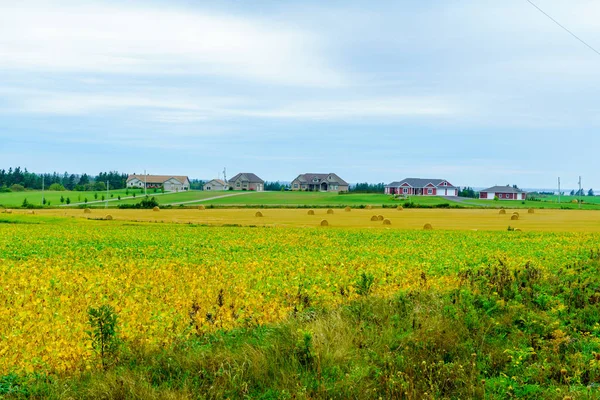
{"x": 280, "y": 307}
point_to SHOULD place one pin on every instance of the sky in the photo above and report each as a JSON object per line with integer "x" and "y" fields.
{"x": 477, "y": 92}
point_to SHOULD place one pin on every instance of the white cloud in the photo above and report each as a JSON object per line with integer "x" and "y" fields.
{"x": 143, "y": 40}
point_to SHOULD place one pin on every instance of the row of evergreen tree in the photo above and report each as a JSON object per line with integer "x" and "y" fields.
{"x": 30, "y": 180}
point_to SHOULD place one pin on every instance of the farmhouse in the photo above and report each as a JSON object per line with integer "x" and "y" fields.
{"x": 247, "y": 181}
{"x": 216, "y": 184}
{"x": 170, "y": 183}
{"x": 502, "y": 193}
{"x": 320, "y": 183}
{"x": 422, "y": 187}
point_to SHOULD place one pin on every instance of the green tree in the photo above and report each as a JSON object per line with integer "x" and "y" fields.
{"x": 25, "y": 203}
{"x": 96, "y": 196}
{"x": 62, "y": 199}
{"x": 591, "y": 192}
{"x": 103, "y": 333}
{"x": 68, "y": 200}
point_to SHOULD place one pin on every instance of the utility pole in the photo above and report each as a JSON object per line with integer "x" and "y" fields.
{"x": 559, "y": 190}
{"x": 579, "y": 202}
{"x": 225, "y": 175}
{"x": 106, "y": 205}
{"x": 42, "y": 189}
{"x": 145, "y": 183}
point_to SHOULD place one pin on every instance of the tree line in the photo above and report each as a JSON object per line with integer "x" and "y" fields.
{"x": 18, "y": 179}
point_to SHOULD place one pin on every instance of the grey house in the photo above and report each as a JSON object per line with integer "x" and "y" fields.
{"x": 247, "y": 181}
{"x": 320, "y": 183}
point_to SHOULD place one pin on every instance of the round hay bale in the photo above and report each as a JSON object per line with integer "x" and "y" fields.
{"x": 374, "y": 218}
{"x": 330, "y": 211}
{"x": 324, "y": 223}
{"x": 517, "y": 229}
{"x": 347, "y": 209}
{"x": 155, "y": 208}
{"x": 201, "y": 208}
{"x": 258, "y": 214}
{"x": 380, "y": 218}
{"x": 502, "y": 211}
{"x": 8, "y": 211}
{"x": 108, "y": 217}
{"x": 531, "y": 211}
{"x": 574, "y": 201}
{"x": 387, "y": 222}
{"x": 369, "y": 207}
{"x": 514, "y": 217}
{"x": 87, "y": 211}
{"x": 517, "y": 214}
{"x": 427, "y": 227}
{"x": 32, "y": 212}
{"x": 311, "y": 212}
{"x": 399, "y": 208}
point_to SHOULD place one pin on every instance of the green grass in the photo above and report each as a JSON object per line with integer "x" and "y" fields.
{"x": 15, "y": 199}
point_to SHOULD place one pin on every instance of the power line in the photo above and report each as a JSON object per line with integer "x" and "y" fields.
{"x": 563, "y": 27}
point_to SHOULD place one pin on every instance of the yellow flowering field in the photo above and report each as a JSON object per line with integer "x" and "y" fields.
{"x": 169, "y": 281}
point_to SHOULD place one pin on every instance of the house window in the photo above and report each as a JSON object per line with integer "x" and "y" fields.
{"x": 405, "y": 190}
{"x": 429, "y": 191}
{"x": 315, "y": 180}
{"x": 295, "y": 186}
{"x": 237, "y": 184}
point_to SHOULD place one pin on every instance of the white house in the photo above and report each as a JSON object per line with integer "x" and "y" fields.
{"x": 216, "y": 184}
{"x": 502, "y": 193}
{"x": 170, "y": 183}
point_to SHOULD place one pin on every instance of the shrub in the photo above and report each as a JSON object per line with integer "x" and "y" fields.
{"x": 57, "y": 187}
{"x": 17, "y": 188}
{"x": 103, "y": 333}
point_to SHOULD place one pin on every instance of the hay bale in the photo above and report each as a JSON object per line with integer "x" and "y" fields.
{"x": 427, "y": 227}
{"x": 311, "y": 212}
{"x": 155, "y": 208}
{"x": 531, "y": 211}
{"x": 517, "y": 229}
{"x": 374, "y": 218}
{"x": 574, "y": 201}
{"x": 514, "y": 217}
{"x": 380, "y": 218}
{"x": 399, "y": 208}
{"x": 7, "y": 211}
{"x": 32, "y": 212}
{"x": 324, "y": 223}
{"x": 369, "y": 207}
{"x": 87, "y": 211}
{"x": 108, "y": 217}
{"x": 387, "y": 222}
{"x": 330, "y": 211}
{"x": 258, "y": 214}
{"x": 502, "y": 211}
{"x": 517, "y": 214}
{"x": 347, "y": 209}
{"x": 201, "y": 208}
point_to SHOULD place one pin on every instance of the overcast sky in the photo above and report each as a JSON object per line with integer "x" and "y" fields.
{"x": 478, "y": 92}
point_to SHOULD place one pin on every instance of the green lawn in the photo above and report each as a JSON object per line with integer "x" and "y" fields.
{"x": 15, "y": 199}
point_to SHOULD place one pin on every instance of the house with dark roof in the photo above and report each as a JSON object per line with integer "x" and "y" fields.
{"x": 215, "y": 184}
{"x": 246, "y": 181}
{"x": 320, "y": 183}
{"x": 422, "y": 187}
{"x": 503, "y": 193}
{"x": 171, "y": 183}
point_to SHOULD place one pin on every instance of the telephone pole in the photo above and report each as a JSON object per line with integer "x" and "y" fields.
{"x": 579, "y": 202}
{"x": 559, "y": 190}
{"x": 145, "y": 184}
{"x": 106, "y": 204}
{"x": 43, "y": 202}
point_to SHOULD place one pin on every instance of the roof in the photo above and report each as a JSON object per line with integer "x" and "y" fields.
{"x": 419, "y": 182}
{"x": 503, "y": 189}
{"x": 157, "y": 178}
{"x": 219, "y": 181}
{"x": 309, "y": 177}
{"x": 252, "y": 178}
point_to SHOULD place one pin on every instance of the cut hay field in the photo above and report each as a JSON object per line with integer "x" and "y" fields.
{"x": 440, "y": 219}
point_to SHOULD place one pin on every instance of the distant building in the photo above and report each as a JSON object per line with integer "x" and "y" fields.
{"x": 422, "y": 187}
{"x": 503, "y": 193}
{"x": 320, "y": 183}
{"x": 247, "y": 181}
{"x": 170, "y": 183}
{"x": 216, "y": 184}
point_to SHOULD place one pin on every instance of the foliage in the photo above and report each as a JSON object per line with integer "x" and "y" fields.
{"x": 17, "y": 188}
{"x": 367, "y": 188}
{"x": 146, "y": 203}
{"x": 276, "y": 186}
{"x": 468, "y": 192}
{"x": 56, "y": 187}
{"x": 103, "y": 333}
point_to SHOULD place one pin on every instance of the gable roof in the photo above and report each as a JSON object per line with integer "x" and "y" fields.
{"x": 158, "y": 178}
{"x": 419, "y": 182}
{"x": 503, "y": 189}
{"x": 309, "y": 177}
{"x": 218, "y": 181}
{"x": 252, "y": 178}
